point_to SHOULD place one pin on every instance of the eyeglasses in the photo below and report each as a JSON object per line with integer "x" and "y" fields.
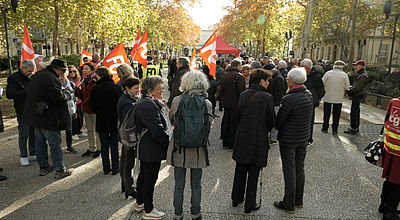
{"x": 73, "y": 71}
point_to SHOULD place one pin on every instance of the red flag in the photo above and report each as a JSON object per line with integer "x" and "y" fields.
{"x": 85, "y": 54}
{"x": 193, "y": 60}
{"x": 115, "y": 58}
{"x": 209, "y": 54}
{"x": 141, "y": 54}
{"x": 136, "y": 44}
{"x": 27, "y": 52}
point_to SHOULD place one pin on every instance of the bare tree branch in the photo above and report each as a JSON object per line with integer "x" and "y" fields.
{"x": 301, "y": 3}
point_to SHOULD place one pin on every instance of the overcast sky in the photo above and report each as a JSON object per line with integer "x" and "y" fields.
{"x": 208, "y": 12}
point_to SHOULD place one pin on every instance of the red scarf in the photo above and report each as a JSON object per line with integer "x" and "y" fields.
{"x": 295, "y": 87}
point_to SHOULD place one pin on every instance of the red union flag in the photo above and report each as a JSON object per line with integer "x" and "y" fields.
{"x": 193, "y": 60}
{"x": 115, "y": 58}
{"x": 27, "y": 52}
{"x": 209, "y": 54}
{"x": 136, "y": 44}
{"x": 85, "y": 54}
{"x": 141, "y": 53}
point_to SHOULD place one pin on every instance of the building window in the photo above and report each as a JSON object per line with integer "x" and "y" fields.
{"x": 382, "y": 56}
{"x": 317, "y": 54}
{"x": 329, "y": 53}
{"x": 322, "y": 53}
{"x": 334, "y": 53}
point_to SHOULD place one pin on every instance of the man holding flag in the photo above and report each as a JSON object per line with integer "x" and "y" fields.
{"x": 150, "y": 70}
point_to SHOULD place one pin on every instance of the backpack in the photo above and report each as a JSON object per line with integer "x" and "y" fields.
{"x": 192, "y": 123}
{"x": 128, "y": 133}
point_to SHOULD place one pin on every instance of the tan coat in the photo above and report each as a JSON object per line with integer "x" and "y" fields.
{"x": 186, "y": 157}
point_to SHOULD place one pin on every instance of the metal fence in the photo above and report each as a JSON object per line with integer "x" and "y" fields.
{"x": 376, "y": 100}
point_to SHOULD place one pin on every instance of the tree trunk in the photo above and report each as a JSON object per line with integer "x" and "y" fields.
{"x": 55, "y": 31}
{"x": 353, "y": 31}
{"x": 307, "y": 28}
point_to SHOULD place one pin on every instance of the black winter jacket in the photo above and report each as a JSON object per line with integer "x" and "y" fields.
{"x": 17, "y": 89}
{"x": 359, "y": 86}
{"x": 256, "y": 120}
{"x": 176, "y": 83}
{"x": 277, "y": 87}
{"x": 315, "y": 85}
{"x": 125, "y": 103}
{"x": 232, "y": 84}
{"x": 45, "y": 86}
{"x": 103, "y": 101}
{"x": 154, "y": 144}
{"x": 294, "y": 116}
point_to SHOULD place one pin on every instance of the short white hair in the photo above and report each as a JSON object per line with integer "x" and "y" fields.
{"x": 307, "y": 62}
{"x": 194, "y": 79}
{"x": 282, "y": 63}
{"x": 28, "y": 64}
{"x": 297, "y": 75}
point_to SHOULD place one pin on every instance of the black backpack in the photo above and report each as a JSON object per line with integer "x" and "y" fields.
{"x": 192, "y": 123}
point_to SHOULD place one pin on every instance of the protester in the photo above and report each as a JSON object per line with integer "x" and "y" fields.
{"x": 255, "y": 65}
{"x": 150, "y": 70}
{"x": 90, "y": 117}
{"x": 38, "y": 60}
{"x": 194, "y": 83}
{"x": 315, "y": 85}
{"x": 153, "y": 146}
{"x": 250, "y": 149}
{"x": 219, "y": 73}
{"x": 390, "y": 196}
{"x": 103, "y": 102}
{"x": 17, "y": 89}
{"x": 356, "y": 92}
{"x": 172, "y": 70}
{"x": 45, "y": 110}
{"x": 282, "y": 68}
{"x": 2, "y": 178}
{"x": 212, "y": 88}
{"x": 336, "y": 82}
{"x": 182, "y": 64}
{"x": 293, "y": 124}
{"x": 232, "y": 84}
{"x": 246, "y": 75}
{"x": 77, "y": 121}
{"x": 125, "y": 103}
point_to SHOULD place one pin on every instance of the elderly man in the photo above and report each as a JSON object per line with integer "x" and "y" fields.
{"x": 356, "y": 92}
{"x": 315, "y": 85}
{"x": 17, "y": 89}
{"x": 46, "y": 110}
{"x": 182, "y": 63}
{"x": 336, "y": 82}
{"x": 293, "y": 124}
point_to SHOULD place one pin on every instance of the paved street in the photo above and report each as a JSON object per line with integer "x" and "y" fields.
{"x": 340, "y": 184}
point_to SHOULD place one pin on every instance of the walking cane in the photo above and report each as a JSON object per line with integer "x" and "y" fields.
{"x": 261, "y": 185}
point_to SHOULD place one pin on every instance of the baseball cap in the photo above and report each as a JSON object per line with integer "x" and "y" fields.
{"x": 359, "y": 62}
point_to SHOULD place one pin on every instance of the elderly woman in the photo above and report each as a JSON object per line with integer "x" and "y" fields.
{"x": 194, "y": 83}
{"x": 150, "y": 117}
{"x": 293, "y": 124}
{"x": 250, "y": 149}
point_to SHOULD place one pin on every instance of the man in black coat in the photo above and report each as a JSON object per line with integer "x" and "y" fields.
{"x": 293, "y": 124}
{"x": 182, "y": 64}
{"x": 46, "y": 110}
{"x": 232, "y": 84}
{"x": 315, "y": 85}
{"x": 250, "y": 149}
{"x": 17, "y": 89}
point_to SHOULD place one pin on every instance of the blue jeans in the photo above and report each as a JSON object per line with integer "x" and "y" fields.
{"x": 355, "y": 112}
{"x": 109, "y": 140}
{"x": 54, "y": 140}
{"x": 195, "y": 183}
{"x": 68, "y": 133}
{"x": 24, "y": 132}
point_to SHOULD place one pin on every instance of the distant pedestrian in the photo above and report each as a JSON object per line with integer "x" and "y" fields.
{"x": 212, "y": 88}
{"x": 282, "y": 68}
{"x": 195, "y": 158}
{"x": 45, "y": 109}
{"x": 246, "y": 75}
{"x": 77, "y": 120}
{"x": 251, "y": 146}
{"x": 293, "y": 124}
{"x": 356, "y": 92}
{"x": 150, "y": 70}
{"x": 17, "y": 89}
{"x": 336, "y": 82}
{"x": 255, "y": 65}
{"x": 182, "y": 64}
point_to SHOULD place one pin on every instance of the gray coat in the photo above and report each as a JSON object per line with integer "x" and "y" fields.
{"x": 187, "y": 157}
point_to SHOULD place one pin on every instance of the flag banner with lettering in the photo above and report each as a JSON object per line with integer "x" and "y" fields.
{"x": 85, "y": 54}
{"x": 27, "y": 52}
{"x": 136, "y": 44}
{"x": 141, "y": 54}
{"x": 115, "y": 58}
{"x": 193, "y": 60}
{"x": 209, "y": 53}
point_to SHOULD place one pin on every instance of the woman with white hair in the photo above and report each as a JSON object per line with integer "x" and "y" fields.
{"x": 293, "y": 124}
{"x": 194, "y": 84}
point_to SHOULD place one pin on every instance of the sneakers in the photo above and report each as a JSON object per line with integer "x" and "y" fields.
{"x": 75, "y": 137}
{"x": 87, "y": 153}
{"x": 63, "y": 173}
{"x": 154, "y": 214}
{"x": 138, "y": 208}
{"x": 24, "y": 161}
{"x": 83, "y": 134}
{"x": 45, "y": 171}
{"x": 351, "y": 131}
{"x": 97, "y": 154}
{"x": 72, "y": 150}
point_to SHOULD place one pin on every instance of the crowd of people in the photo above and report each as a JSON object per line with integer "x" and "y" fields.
{"x": 263, "y": 103}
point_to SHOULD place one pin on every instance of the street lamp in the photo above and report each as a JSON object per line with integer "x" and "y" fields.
{"x": 14, "y": 5}
{"x": 288, "y": 36}
{"x": 386, "y": 9}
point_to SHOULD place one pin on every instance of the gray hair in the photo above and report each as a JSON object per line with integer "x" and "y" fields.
{"x": 28, "y": 64}
{"x": 255, "y": 65}
{"x": 150, "y": 83}
{"x": 184, "y": 61}
{"x": 307, "y": 62}
{"x": 297, "y": 75}
{"x": 194, "y": 80}
{"x": 339, "y": 65}
{"x": 124, "y": 71}
{"x": 236, "y": 62}
{"x": 282, "y": 63}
